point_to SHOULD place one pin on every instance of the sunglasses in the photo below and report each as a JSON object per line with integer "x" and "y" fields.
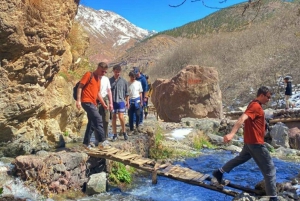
{"x": 268, "y": 96}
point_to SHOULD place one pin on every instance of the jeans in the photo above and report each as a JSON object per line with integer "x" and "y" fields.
{"x": 133, "y": 112}
{"x": 95, "y": 121}
{"x": 262, "y": 158}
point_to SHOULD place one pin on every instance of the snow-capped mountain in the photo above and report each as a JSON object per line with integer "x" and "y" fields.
{"x": 110, "y": 34}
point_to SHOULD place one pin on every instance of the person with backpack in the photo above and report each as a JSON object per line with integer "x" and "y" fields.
{"x": 149, "y": 93}
{"x": 254, "y": 132}
{"x": 87, "y": 95}
{"x": 140, "y": 77}
{"x": 288, "y": 92}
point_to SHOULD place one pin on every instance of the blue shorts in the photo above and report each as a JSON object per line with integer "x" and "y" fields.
{"x": 119, "y": 107}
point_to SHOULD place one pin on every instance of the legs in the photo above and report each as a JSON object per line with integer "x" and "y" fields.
{"x": 137, "y": 114}
{"x": 265, "y": 163}
{"x": 287, "y": 102}
{"x": 130, "y": 116}
{"x": 243, "y": 157}
{"x": 105, "y": 117}
{"x": 95, "y": 121}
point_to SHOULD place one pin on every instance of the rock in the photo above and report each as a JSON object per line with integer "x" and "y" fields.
{"x": 279, "y": 134}
{"x": 96, "y": 184}
{"x": 36, "y": 105}
{"x": 193, "y": 92}
{"x": 294, "y": 138}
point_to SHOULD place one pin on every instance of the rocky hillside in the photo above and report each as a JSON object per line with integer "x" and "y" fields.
{"x": 249, "y": 48}
{"x": 37, "y": 110}
{"x": 110, "y": 34}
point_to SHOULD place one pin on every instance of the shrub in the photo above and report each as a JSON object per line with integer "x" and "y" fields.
{"x": 119, "y": 173}
{"x": 200, "y": 140}
{"x": 158, "y": 150}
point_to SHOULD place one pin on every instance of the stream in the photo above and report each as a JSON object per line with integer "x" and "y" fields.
{"x": 247, "y": 174}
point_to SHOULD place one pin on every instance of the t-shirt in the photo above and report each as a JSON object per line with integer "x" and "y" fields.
{"x": 90, "y": 91}
{"x": 105, "y": 85}
{"x": 135, "y": 88}
{"x": 254, "y": 129}
{"x": 119, "y": 89}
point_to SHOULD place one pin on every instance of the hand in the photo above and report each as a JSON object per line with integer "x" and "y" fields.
{"x": 78, "y": 105}
{"x": 227, "y": 138}
{"x": 145, "y": 99}
{"x": 105, "y": 106}
{"x": 111, "y": 107}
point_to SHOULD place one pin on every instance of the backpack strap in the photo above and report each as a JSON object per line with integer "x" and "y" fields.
{"x": 91, "y": 76}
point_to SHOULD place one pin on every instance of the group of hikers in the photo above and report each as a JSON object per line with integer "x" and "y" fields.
{"x": 102, "y": 95}
{"x": 104, "y": 98}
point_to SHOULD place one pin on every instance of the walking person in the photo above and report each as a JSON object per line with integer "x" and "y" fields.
{"x": 135, "y": 101}
{"x": 148, "y": 95}
{"x": 288, "y": 92}
{"x": 140, "y": 77}
{"x": 119, "y": 90}
{"x": 87, "y": 99}
{"x": 254, "y": 131}
{"x": 105, "y": 91}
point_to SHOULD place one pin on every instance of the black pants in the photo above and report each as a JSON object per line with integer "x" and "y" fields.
{"x": 95, "y": 121}
{"x": 131, "y": 112}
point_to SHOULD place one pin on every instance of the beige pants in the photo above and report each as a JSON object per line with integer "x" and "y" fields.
{"x": 288, "y": 103}
{"x": 105, "y": 113}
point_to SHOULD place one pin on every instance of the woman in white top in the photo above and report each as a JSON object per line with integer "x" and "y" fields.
{"x": 135, "y": 100}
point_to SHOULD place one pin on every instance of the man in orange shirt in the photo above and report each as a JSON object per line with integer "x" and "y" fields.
{"x": 87, "y": 95}
{"x": 254, "y": 132}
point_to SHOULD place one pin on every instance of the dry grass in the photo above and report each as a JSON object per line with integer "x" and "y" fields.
{"x": 246, "y": 59}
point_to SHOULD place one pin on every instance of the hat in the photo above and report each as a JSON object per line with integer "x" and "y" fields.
{"x": 136, "y": 69}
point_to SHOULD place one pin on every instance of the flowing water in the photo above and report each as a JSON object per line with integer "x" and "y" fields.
{"x": 246, "y": 174}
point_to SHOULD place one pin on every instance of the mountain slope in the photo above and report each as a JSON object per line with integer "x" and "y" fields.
{"x": 246, "y": 54}
{"x": 110, "y": 34}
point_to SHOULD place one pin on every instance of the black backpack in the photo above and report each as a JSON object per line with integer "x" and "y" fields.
{"x": 76, "y": 87}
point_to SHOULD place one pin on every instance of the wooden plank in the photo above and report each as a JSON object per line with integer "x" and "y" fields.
{"x": 131, "y": 156}
{"x": 124, "y": 154}
{"x": 272, "y": 121}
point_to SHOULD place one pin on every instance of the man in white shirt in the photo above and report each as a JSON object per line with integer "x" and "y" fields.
{"x": 105, "y": 92}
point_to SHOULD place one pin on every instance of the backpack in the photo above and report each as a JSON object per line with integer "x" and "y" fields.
{"x": 76, "y": 87}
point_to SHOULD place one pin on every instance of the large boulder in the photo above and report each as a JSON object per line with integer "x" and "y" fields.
{"x": 194, "y": 92}
{"x": 35, "y": 103}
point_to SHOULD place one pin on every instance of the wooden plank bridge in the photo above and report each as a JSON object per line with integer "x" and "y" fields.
{"x": 168, "y": 170}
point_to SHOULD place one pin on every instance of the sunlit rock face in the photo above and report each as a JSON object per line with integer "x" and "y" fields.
{"x": 193, "y": 92}
{"x": 36, "y": 105}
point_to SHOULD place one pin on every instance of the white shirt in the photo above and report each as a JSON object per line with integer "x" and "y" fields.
{"x": 105, "y": 85}
{"x": 135, "y": 88}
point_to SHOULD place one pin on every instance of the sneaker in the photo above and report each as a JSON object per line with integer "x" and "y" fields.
{"x": 273, "y": 199}
{"x": 104, "y": 144}
{"x": 127, "y": 124}
{"x": 218, "y": 175}
{"x": 115, "y": 137}
{"x": 92, "y": 144}
{"x": 125, "y": 136}
{"x": 87, "y": 147}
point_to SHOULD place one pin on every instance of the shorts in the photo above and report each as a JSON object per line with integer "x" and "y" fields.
{"x": 119, "y": 107}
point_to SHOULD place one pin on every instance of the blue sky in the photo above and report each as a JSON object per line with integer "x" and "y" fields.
{"x": 157, "y": 14}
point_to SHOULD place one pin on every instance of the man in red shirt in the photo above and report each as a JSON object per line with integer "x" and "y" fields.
{"x": 87, "y": 95}
{"x": 254, "y": 132}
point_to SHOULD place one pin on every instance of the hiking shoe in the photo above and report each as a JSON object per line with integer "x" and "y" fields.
{"x": 273, "y": 199}
{"x": 92, "y": 144}
{"x": 115, "y": 137}
{"x": 125, "y": 136}
{"x": 218, "y": 175}
{"x": 87, "y": 147}
{"x": 104, "y": 144}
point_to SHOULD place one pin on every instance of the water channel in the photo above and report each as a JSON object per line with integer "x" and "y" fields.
{"x": 247, "y": 175}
